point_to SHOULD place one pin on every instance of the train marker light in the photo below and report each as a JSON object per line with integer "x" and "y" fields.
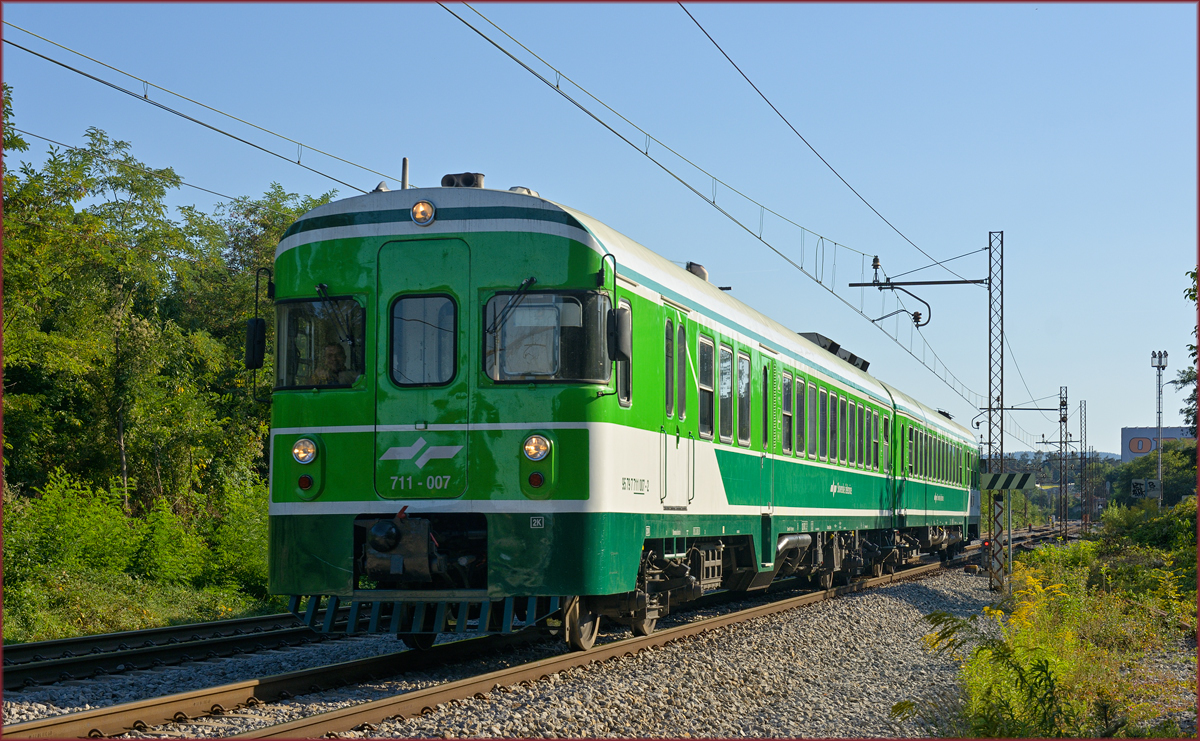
{"x": 304, "y": 450}
{"x": 536, "y": 479}
{"x": 536, "y": 448}
{"x": 423, "y": 213}
{"x": 305, "y": 482}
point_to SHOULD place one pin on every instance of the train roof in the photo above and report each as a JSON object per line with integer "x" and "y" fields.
{"x": 382, "y": 213}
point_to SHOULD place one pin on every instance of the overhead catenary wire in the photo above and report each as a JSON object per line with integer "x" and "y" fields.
{"x": 814, "y": 151}
{"x": 956, "y": 385}
{"x": 156, "y": 104}
{"x": 202, "y": 105}
{"x": 232, "y": 199}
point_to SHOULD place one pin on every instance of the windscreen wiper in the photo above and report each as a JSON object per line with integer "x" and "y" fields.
{"x": 512, "y": 304}
{"x": 344, "y": 334}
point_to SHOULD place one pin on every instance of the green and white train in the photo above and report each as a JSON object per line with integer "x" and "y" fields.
{"x": 491, "y": 410}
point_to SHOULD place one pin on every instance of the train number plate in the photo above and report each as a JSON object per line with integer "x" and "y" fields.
{"x": 537, "y": 522}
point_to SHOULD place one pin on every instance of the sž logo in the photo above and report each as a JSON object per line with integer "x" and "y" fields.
{"x": 433, "y": 452}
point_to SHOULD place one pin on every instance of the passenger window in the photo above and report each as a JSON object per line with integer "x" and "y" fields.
{"x": 785, "y": 427}
{"x": 842, "y": 438}
{"x": 875, "y": 441}
{"x": 864, "y": 446}
{"x": 812, "y": 420}
{"x": 681, "y": 355}
{"x": 705, "y": 368}
{"x": 423, "y": 341}
{"x": 743, "y": 411}
{"x": 911, "y": 453}
{"x": 670, "y": 374}
{"x": 853, "y": 441}
{"x": 824, "y": 424}
{"x": 625, "y": 374}
{"x": 885, "y": 444}
{"x": 725, "y": 394}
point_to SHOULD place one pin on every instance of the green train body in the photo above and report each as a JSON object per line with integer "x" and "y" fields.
{"x": 727, "y": 451}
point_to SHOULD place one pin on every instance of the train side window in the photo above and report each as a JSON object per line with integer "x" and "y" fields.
{"x": 705, "y": 368}
{"x": 785, "y": 423}
{"x": 625, "y": 373}
{"x": 801, "y": 408}
{"x": 911, "y": 452}
{"x": 681, "y": 355}
{"x": 725, "y": 394}
{"x": 824, "y": 426}
{"x": 851, "y": 459}
{"x": 812, "y": 421}
{"x": 864, "y": 429}
{"x": 423, "y": 342}
{"x": 875, "y": 441}
{"x": 670, "y": 368}
{"x": 767, "y": 392}
{"x": 743, "y": 401}
{"x": 843, "y": 431}
{"x": 833, "y": 427}
{"x": 885, "y": 445}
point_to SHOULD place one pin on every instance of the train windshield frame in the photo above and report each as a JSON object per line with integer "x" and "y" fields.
{"x": 547, "y": 337}
{"x": 320, "y": 343}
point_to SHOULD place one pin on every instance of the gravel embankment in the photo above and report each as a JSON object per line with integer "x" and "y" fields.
{"x": 829, "y": 670}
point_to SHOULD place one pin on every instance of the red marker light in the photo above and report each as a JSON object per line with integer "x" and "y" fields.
{"x": 305, "y": 482}
{"x": 536, "y": 479}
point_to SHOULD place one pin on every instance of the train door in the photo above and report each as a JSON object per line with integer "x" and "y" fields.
{"x": 677, "y": 446}
{"x": 765, "y": 382}
{"x": 424, "y": 351}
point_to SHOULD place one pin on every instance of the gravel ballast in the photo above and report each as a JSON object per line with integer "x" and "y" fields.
{"x": 833, "y": 669}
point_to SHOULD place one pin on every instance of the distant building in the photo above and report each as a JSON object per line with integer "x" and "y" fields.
{"x": 1138, "y": 441}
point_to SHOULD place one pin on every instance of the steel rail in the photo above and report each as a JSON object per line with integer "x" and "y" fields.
{"x": 183, "y": 706}
{"x": 112, "y": 652}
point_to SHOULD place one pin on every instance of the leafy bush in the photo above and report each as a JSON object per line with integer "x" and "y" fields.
{"x": 69, "y": 527}
{"x": 239, "y": 542}
{"x": 169, "y": 552}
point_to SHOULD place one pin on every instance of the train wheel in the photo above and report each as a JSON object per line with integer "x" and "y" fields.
{"x": 418, "y": 641}
{"x": 583, "y": 625}
{"x": 642, "y": 625}
{"x": 889, "y": 568}
{"x": 876, "y": 570}
{"x": 825, "y": 580}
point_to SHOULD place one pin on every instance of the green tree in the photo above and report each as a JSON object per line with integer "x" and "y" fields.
{"x": 1179, "y": 472}
{"x": 1186, "y": 379}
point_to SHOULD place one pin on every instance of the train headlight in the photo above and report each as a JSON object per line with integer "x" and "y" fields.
{"x": 304, "y": 450}
{"x": 423, "y": 213}
{"x": 536, "y": 447}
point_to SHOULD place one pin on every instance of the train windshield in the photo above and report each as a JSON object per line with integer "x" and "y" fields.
{"x": 533, "y": 337}
{"x": 320, "y": 343}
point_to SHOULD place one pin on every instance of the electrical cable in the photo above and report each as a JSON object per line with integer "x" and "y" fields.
{"x": 202, "y": 105}
{"x": 142, "y": 169}
{"x": 814, "y": 151}
{"x": 951, "y": 259}
{"x": 155, "y": 103}
{"x": 961, "y": 389}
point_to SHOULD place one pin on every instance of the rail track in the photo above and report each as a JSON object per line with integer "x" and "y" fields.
{"x": 185, "y": 706}
{"x": 44, "y": 662}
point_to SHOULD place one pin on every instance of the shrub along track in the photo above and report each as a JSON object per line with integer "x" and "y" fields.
{"x": 181, "y": 707}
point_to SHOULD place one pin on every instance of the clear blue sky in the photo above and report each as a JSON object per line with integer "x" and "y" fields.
{"x": 1070, "y": 127}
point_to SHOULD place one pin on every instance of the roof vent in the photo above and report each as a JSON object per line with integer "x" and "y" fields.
{"x": 382, "y": 187}
{"x": 944, "y": 413}
{"x": 463, "y": 180}
{"x": 524, "y": 191}
{"x": 836, "y": 349}
{"x": 698, "y": 270}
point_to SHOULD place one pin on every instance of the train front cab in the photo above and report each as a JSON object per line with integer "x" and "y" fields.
{"x": 447, "y": 403}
